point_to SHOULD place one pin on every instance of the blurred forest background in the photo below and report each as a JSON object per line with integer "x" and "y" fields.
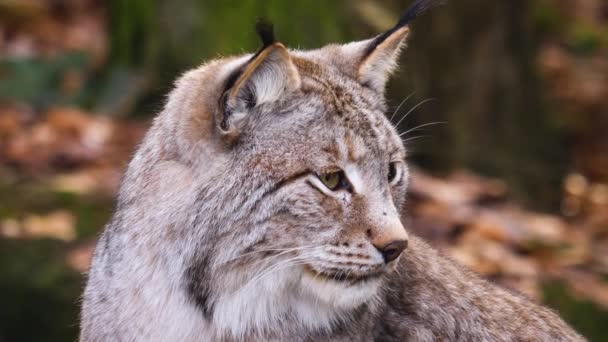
{"x": 513, "y": 185}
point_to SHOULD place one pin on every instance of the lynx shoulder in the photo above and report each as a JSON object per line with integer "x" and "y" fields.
{"x": 265, "y": 204}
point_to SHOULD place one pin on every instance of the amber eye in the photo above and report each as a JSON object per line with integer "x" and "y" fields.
{"x": 392, "y": 172}
{"x": 335, "y": 181}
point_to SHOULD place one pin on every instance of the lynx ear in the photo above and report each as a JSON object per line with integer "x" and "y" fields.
{"x": 266, "y": 77}
{"x": 378, "y": 56}
{"x": 380, "y": 59}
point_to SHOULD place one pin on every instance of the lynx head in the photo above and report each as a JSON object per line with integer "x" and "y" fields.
{"x": 297, "y": 179}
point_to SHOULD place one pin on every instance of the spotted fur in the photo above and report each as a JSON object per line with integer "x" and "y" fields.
{"x": 223, "y": 230}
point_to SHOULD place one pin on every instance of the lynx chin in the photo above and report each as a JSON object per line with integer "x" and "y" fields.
{"x": 265, "y": 204}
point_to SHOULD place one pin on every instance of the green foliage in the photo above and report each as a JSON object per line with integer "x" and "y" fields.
{"x": 161, "y": 39}
{"x": 91, "y": 211}
{"x": 585, "y": 316}
{"x": 547, "y": 17}
{"x": 37, "y": 291}
{"x": 38, "y": 81}
{"x": 179, "y": 34}
{"x": 585, "y": 40}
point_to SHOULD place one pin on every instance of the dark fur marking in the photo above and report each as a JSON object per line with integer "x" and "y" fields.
{"x": 198, "y": 284}
{"x": 265, "y": 30}
{"x": 415, "y": 10}
{"x": 112, "y": 254}
{"x": 315, "y": 187}
{"x": 279, "y": 185}
{"x": 344, "y": 326}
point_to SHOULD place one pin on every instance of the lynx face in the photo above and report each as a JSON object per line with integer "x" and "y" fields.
{"x": 339, "y": 175}
{"x": 299, "y": 214}
{"x": 342, "y": 217}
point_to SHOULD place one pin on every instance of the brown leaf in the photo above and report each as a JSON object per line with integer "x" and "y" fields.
{"x": 57, "y": 225}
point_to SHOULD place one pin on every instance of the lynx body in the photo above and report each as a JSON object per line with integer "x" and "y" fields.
{"x": 265, "y": 204}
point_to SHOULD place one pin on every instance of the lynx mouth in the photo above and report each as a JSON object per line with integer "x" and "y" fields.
{"x": 342, "y": 276}
{"x": 341, "y": 287}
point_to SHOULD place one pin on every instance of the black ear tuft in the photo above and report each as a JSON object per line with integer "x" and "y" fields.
{"x": 416, "y": 9}
{"x": 265, "y": 30}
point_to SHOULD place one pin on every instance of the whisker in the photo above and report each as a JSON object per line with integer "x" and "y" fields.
{"x": 267, "y": 260}
{"x": 421, "y": 126}
{"x": 416, "y": 137}
{"x": 265, "y": 272}
{"x": 268, "y": 250}
{"x": 335, "y": 275}
{"x": 297, "y": 257}
{"x": 308, "y": 251}
{"x": 401, "y": 104}
{"x": 413, "y": 109}
{"x": 313, "y": 280}
{"x": 349, "y": 273}
{"x": 299, "y": 260}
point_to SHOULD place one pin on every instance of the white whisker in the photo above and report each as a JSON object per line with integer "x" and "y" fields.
{"x": 413, "y": 109}
{"x": 416, "y": 137}
{"x": 277, "y": 267}
{"x": 401, "y": 104}
{"x": 421, "y": 126}
{"x": 282, "y": 250}
{"x": 303, "y": 258}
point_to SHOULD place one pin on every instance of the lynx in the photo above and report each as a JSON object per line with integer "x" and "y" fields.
{"x": 265, "y": 204}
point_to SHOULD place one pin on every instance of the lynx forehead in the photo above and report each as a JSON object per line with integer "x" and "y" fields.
{"x": 265, "y": 203}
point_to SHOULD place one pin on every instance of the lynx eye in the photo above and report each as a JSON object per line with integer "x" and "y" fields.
{"x": 335, "y": 181}
{"x": 392, "y": 172}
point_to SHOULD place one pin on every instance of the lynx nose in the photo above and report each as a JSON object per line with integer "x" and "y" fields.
{"x": 390, "y": 240}
{"x": 392, "y": 250}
